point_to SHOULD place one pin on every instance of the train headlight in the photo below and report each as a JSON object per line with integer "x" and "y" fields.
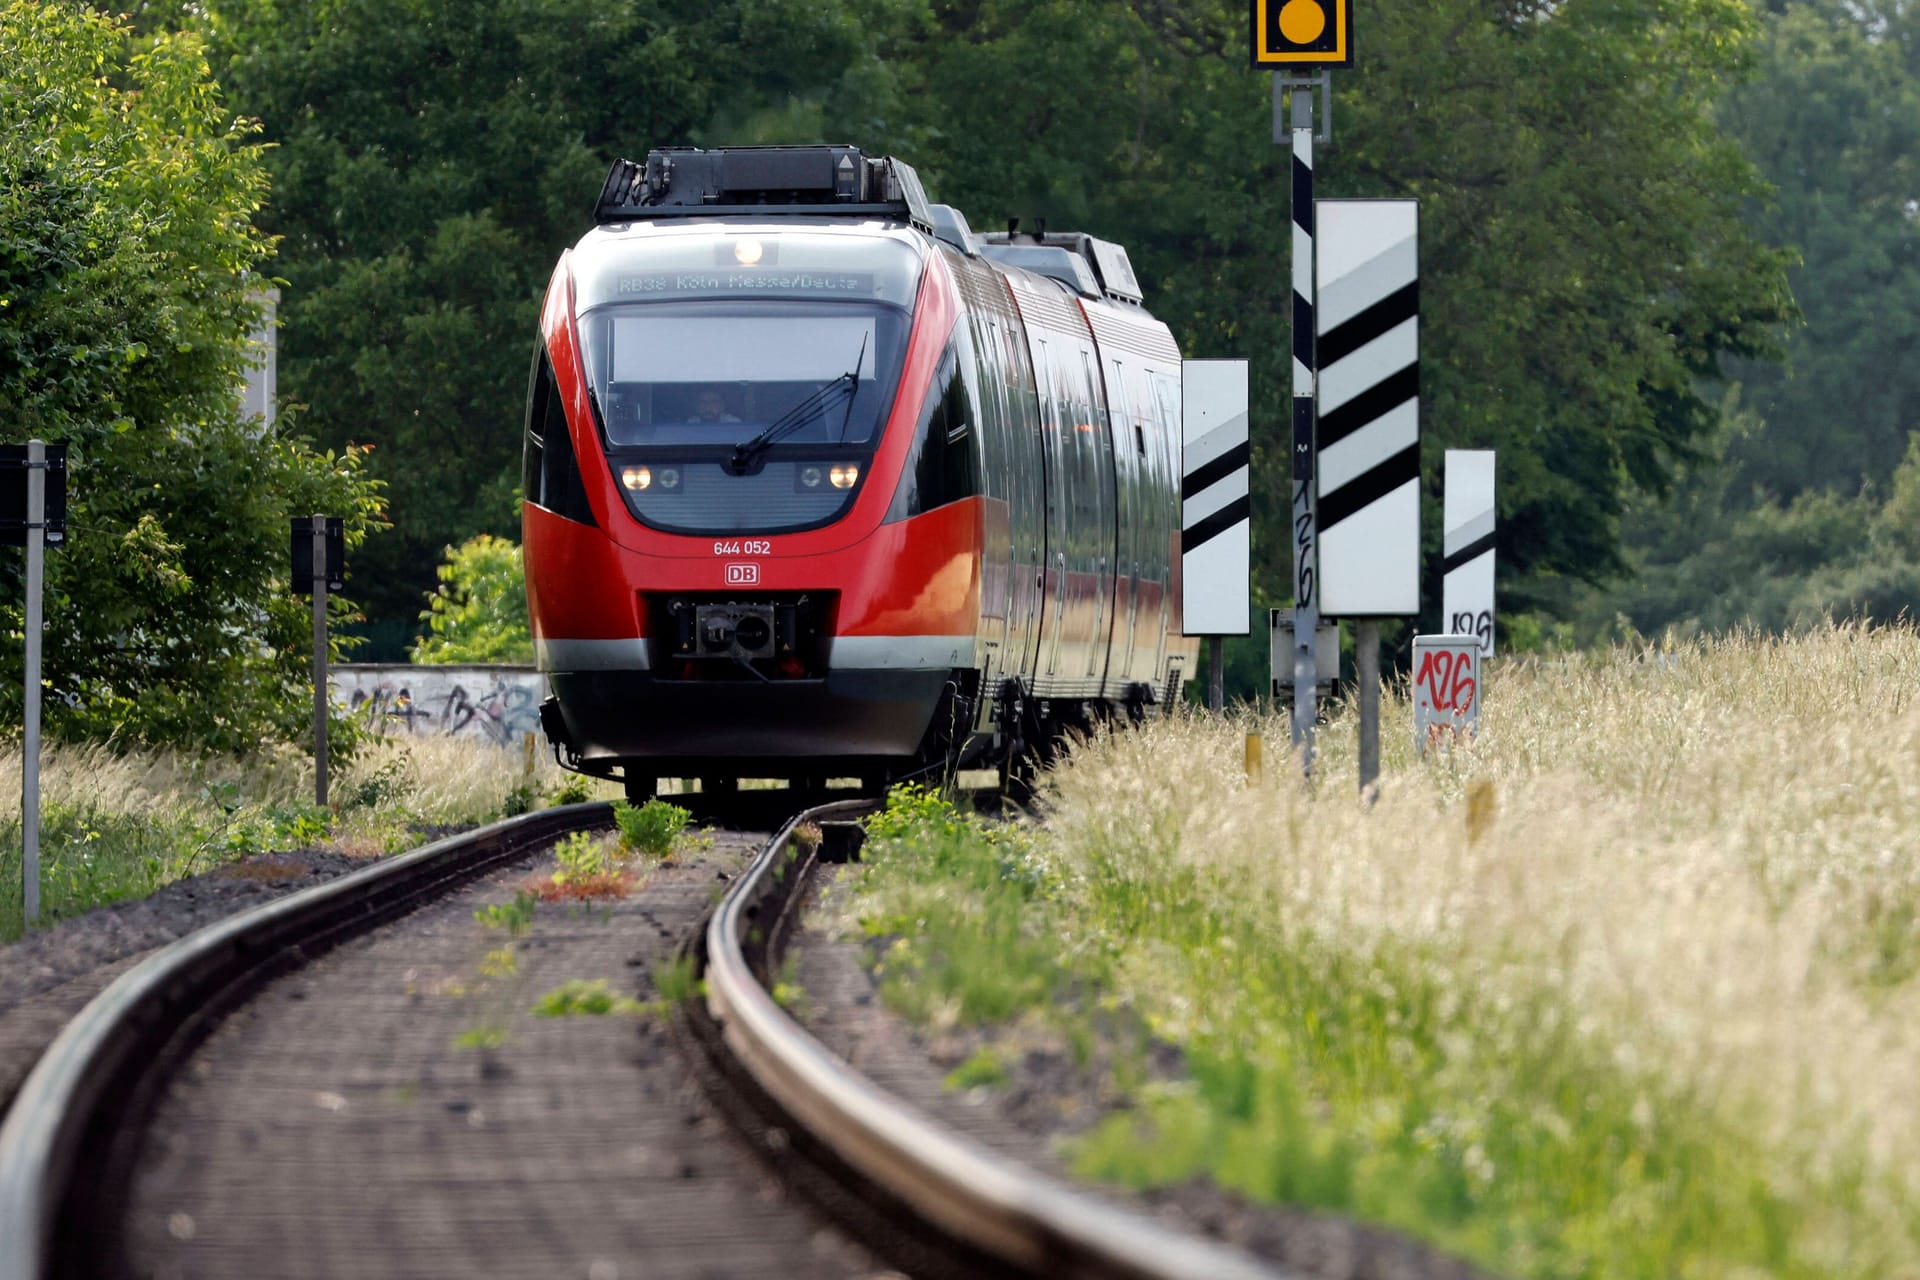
{"x": 669, "y": 478}
{"x": 810, "y": 477}
{"x": 747, "y": 252}
{"x": 636, "y": 478}
{"x": 844, "y": 477}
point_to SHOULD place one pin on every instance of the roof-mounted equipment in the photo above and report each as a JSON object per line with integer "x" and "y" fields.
{"x": 950, "y": 226}
{"x": 1094, "y": 267}
{"x": 836, "y": 181}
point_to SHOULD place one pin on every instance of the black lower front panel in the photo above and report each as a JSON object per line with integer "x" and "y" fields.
{"x": 634, "y": 716}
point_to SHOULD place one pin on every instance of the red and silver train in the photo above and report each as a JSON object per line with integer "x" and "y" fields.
{"x": 819, "y": 483}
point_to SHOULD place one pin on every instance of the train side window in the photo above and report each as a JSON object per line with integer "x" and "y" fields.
{"x": 550, "y": 471}
{"x": 532, "y": 468}
{"x": 944, "y": 465}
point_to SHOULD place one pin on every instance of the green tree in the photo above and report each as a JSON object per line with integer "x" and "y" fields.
{"x": 1584, "y": 266}
{"x": 1833, "y": 120}
{"x": 432, "y": 158}
{"x": 127, "y": 263}
{"x": 479, "y": 613}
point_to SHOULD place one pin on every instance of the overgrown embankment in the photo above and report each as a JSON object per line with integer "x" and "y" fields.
{"x": 118, "y": 825}
{"x": 1625, "y": 989}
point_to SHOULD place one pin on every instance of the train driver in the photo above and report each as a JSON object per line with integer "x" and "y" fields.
{"x": 711, "y": 406}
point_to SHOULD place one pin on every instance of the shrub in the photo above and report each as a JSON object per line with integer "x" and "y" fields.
{"x": 650, "y": 829}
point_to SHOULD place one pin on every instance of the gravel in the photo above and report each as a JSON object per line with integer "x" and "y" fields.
{"x": 48, "y": 976}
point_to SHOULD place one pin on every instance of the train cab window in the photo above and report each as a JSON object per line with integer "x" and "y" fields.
{"x": 549, "y": 469}
{"x": 945, "y": 463}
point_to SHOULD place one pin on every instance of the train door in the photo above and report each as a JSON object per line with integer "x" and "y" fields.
{"x": 1129, "y": 456}
{"x": 1166, "y": 399}
{"x": 1060, "y": 486}
{"x": 1093, "y": 426}
{"x": 996, "y": 531}
{"x": 1027, "y": 500}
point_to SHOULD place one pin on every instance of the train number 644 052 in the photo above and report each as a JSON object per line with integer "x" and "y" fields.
{"x": 743, "y": 547}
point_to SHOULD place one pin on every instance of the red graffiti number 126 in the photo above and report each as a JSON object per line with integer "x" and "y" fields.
{"x": 1447, "y": 678}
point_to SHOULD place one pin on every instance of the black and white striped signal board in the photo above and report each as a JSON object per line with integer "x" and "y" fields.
{"x": 1216, "y": 516}
{"x": 1466, "y": 590}
{"x": 1368, "y": 451}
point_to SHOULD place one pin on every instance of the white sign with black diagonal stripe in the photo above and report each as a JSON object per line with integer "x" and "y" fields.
{"x": 1216, "y": 517}
{"x": 1368, "y": 450}
{"x": 1466, "y": 590}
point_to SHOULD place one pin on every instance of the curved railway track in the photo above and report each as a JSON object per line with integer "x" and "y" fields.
{"x": 925, "y": 1198}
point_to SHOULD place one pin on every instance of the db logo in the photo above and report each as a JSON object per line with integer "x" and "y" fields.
{"x": 743, "y": 575}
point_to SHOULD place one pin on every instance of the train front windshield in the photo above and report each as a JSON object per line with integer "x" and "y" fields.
{"x": 749, "y": 398}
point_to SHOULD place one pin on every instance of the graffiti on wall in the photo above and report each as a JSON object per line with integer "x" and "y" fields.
{"x": 500, "y": 704}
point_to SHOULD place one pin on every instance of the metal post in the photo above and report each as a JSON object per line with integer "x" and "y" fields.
{"x": 1306, "y": 534}
{"x": 30, "y": 747}
{"x": 1366, "y": 653}
{"x": 1216, "y": 673}
{"x": 320, "y": 661}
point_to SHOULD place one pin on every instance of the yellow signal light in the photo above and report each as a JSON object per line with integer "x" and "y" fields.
{"x": 1302, "y": 33}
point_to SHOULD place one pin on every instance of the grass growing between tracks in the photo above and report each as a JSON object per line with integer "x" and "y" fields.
{"x": 118, "y": 825}
{"x": 1626, "y": 989}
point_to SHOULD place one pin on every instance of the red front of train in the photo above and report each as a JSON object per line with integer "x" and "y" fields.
{"x": 760, "y": 537}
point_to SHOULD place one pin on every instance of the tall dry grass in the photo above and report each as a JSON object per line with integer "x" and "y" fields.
{"x": 120, "y": 824}
{"x": 1704, "y": 855}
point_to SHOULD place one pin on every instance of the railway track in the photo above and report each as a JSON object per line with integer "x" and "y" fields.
{"x": 259, "y": 1095}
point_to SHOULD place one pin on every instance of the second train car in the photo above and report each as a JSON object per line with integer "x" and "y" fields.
{"x": 821, "y": 483}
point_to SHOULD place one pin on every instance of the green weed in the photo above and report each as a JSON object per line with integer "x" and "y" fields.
{"x": 515, "y": 916}
{"x": 651, "y": 829}
{"x": 676, "y": 980}
{"x": 591, "y": 998}
{"x": 983, "y": 1069}
{"x": 484, "y": 1038}
{"x": 572, "y": 789}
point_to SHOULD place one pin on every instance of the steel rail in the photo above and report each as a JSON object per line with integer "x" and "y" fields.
{"x": 989, "y": 1203}
{"x": 94, "y": 1065}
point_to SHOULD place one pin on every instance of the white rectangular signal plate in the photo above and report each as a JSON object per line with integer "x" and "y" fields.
{"x": 1216, "y": 516}
{"x": 1367, "y": 449}
{"x": 1466, "y": 592}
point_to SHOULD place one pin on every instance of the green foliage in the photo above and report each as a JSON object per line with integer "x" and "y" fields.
{"x": 523, "y": 798}
{"x": 677, "y": 981}
{"x": 1790, "y": 525}
{"x": 1717, "y": 559}
{"x": 582, "y": 857}
{"x": 515, "y": 916}
{"x": 479, "y": 612}
{"x": 128, "y": 261}
{"x": 579, "y": 996}
{"x": 960, "y": 902}
{"x": 1568, "y": 320}
{"x": 983, "y": 1069}
{"x": 428, "y": 170}
{"x": 650, "y": 829}
{"x": 430, "y": 165}
{"x": 1371, "y": 1079}
{"x": 1833, "y": 120}
{"x": 573, "y": 789}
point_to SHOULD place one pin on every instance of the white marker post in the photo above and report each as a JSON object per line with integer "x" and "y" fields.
{"x": 1368, "y": 464}
{"x": 30, "y": 747}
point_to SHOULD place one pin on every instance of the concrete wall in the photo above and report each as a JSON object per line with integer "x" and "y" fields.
{"x": 499, "y": 704}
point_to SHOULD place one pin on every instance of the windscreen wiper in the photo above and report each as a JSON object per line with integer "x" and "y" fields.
{"x": 813, "y": 405}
